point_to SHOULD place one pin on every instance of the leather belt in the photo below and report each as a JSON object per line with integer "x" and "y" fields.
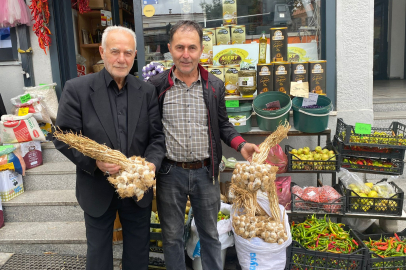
{"x": 190, "y": 165}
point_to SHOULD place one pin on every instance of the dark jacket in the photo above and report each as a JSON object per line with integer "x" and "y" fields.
{"x": 84, "y": 108}
{"x": 219, "y": 126}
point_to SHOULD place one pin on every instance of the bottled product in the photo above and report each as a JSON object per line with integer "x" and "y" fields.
{"x": 262, "y": 49}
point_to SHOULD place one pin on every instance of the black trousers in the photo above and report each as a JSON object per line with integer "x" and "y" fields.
{"x": 135, "y": 223}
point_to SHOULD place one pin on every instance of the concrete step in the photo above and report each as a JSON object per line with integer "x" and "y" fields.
{"x": 38, "y": 237}
{"x": 51, "y": 176}
{"x": 50, "y": 154}
{"x": 384, "y": 119}
{"x": 43, "y": 206}
{"x": 389, "y": 104}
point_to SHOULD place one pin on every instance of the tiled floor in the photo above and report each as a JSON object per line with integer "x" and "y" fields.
{"x": 390, "y": 90}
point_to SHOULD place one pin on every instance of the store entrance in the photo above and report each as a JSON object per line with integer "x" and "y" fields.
{"x": 389, "y": 55}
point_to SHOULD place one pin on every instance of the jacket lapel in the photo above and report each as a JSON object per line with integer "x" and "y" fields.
{"x": 101, "y": 104}
{"x": 135, "y": 99}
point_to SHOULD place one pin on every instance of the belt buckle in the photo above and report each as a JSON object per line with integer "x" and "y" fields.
{"x": 183, "y": 166}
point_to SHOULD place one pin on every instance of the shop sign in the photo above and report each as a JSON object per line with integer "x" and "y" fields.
{"x": 241, "y": 54}
{"x": 302, "y": 52}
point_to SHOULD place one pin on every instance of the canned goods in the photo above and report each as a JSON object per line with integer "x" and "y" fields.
{"x": 217, "y": 71}
{"x": 299, "y": 71}
{"x": 247, "y": 82}
{"x": 238, "y": 34}
{"x": 317, "y": 77}
{"x": 223, "y": 35}
{"x": 281, "y": 79}
{"x": 279, "y": 44}
{"x": 264, "y": 78}
{"x": 231, "y": 79}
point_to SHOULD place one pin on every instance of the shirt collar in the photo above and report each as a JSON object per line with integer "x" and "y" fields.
{"x": 175, "y": 79}
{"x": 109, "y": 79}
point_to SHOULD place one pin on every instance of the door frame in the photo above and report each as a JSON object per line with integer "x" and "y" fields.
{"x": 383, "y": 68}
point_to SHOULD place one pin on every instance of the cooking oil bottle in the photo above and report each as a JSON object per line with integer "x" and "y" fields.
{"x": 262, "y": 49}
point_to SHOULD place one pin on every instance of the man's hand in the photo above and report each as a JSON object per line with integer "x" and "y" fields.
{"x": 248, "y": 150}
{"x": 107, "y": 167}
{"x": 152, "y": 167}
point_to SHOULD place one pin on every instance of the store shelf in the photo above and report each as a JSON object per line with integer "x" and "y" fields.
{"x": 90, "y": 46}
{"x": 292, "y": 132}
{"x": 239, "y": 98}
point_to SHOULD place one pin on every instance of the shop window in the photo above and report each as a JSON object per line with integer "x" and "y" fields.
{"x": 8, "y": 44}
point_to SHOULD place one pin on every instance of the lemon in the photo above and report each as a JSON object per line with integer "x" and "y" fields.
{"x": 370, "y": 185}
{"x": 373, "y": 194}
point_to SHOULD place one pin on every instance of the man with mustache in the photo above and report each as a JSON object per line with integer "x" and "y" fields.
{"x": 122, "y": 112}
{"x": 194, "y": 121}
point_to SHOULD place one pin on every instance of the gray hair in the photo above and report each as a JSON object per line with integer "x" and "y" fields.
{"x": 118, "y": 29}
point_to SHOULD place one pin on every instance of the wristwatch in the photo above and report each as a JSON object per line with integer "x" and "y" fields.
{"x": 240, "y": 146}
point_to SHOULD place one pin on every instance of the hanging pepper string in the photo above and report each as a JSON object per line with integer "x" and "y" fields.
{"x": 40, "y": 13}
{"x": 83, "y": 6}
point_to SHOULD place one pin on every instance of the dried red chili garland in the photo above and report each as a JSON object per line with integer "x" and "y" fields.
{"x": 83, "y": 5}
{"x": 40, "y": 13}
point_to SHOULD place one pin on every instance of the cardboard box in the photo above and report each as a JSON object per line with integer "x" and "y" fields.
{"x": 96, "y": 4}
{"x": 11, "y": 185}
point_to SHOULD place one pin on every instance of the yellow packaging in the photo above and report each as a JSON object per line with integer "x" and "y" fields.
{"x": 213, "y": 31}
{"x": 168, "y": 63}
{"x": 223, "y": 35}
{"x": 229, "y": 12}
{"x": 238, "y": 34}
{"x": 217, "y": 71}
{"x": 231, "y": 79}
{"x": 207, "y": 55}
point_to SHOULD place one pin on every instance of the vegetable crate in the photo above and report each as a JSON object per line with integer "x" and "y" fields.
{"x": 382, "y": 206}
{"x": 300, "y": 205}
{"x": 295, "y": 164}
{"x": 373, "y": 165}
{"x": 367, "y": 152}
{"x": 374, "y": 261}
{"x": 392, "y": 137}
{"x": 300, "y": 258}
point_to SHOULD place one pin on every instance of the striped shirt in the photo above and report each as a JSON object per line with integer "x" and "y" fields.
{"x": 185, "y": 123}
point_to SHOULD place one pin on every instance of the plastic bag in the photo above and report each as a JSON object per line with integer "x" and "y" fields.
{"x": 13, "y": 161}
{"x": 329, "y": 195}
{"x": 353, "y": 182}
{"x": 48, "y": 92}
{"x": 283, "y": 190}
{"x": 277, "y": 157}
{"x": 14, "y": 129}
{"x": 311, "y": 194}
{"x": 258, "y": 254}
{"x": 223, "y": 228}
{"x": 384, "y": 189}
{"x": 35, "y": 105}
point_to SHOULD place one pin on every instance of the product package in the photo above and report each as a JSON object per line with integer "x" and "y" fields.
{"x": 31, "y": 153}
{"x": 11, "y": 185}
{"x": 15, "y": 129}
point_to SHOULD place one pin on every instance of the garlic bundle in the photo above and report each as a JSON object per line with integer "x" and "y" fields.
{"x": 135, "y": 179}
{"x": 263, "y": 227}
{"x": 253, "y": 176}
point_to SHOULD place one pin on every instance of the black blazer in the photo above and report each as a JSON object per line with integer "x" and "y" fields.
{"x": 85, "y": 107}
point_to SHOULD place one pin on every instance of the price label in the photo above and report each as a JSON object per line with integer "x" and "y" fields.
{"x": 232, "y": 103}
{"x": 361, "y": 128}
{"x": 312, "y": 100}
{"x": 23, "y": 111}
{"x": 274, "y": 104}
{"x": 299, "y": 89}
{"x": 25, "y": 98}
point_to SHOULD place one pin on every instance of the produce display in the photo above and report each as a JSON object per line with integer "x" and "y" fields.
{"x": 324, "y": 235}
{"x": 377, "y": 138}
{"x": 263, "y": 227}
{"x": 254, "y": 177}
{"x": 303, "y": 159}
{"x": 375, "y": 165}
{"x": 387, "y": 246}
{"x": 323, "y": 199}
{"x": 221, "y": 216}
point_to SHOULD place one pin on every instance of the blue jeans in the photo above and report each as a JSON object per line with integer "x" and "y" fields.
{"x": 173, "y": 185}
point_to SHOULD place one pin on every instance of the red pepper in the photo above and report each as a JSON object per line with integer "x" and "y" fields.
{"x": 399, "y": 246}
{"x": 317, "y": 242}
{"x": 293, "y": 223}
{"x": 397, "y": 237}
{"x": 355, "y": 242}
{"x": 359, "y": 162}
{"x": 382, "y": 248}
{"x": 349, "y": 249}
{"x": 307, "y": 226}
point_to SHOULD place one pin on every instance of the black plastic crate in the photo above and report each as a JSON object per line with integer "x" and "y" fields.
{"x": 301, "y": 258}
{"x": 300, "y": 205}
{"x": 378, "y": 206}
{"x": 392, "y": 137}
{"x": 366, "y": 151}
{"x": 396, "y": 168}
{"x": 295, "y": 164}
{"x": 374, "y": 261}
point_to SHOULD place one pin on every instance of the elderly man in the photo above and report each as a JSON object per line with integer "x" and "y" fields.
{"x": 195, "y": 121}
{"x": 119, "y": 110}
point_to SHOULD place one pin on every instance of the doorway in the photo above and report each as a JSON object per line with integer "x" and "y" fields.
{"x": 381, "y": 39}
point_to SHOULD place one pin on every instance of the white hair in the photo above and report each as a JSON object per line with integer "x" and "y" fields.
{"x": 118, "y": 29}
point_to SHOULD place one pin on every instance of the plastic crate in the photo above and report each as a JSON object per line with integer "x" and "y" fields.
{"x": 396, "y": 169}
{"x": 376, "y": 262}
{"x": 301, "y": 258}
{"x": 300, "y": 205}
{"x": 295, "y": 164}
{"x": 378, "y": 206}
{"x": 366, "y": 151}
{"x": 395, "y": 136}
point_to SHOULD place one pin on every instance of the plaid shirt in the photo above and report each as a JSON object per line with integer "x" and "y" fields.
{"x": 185, "y": 122}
